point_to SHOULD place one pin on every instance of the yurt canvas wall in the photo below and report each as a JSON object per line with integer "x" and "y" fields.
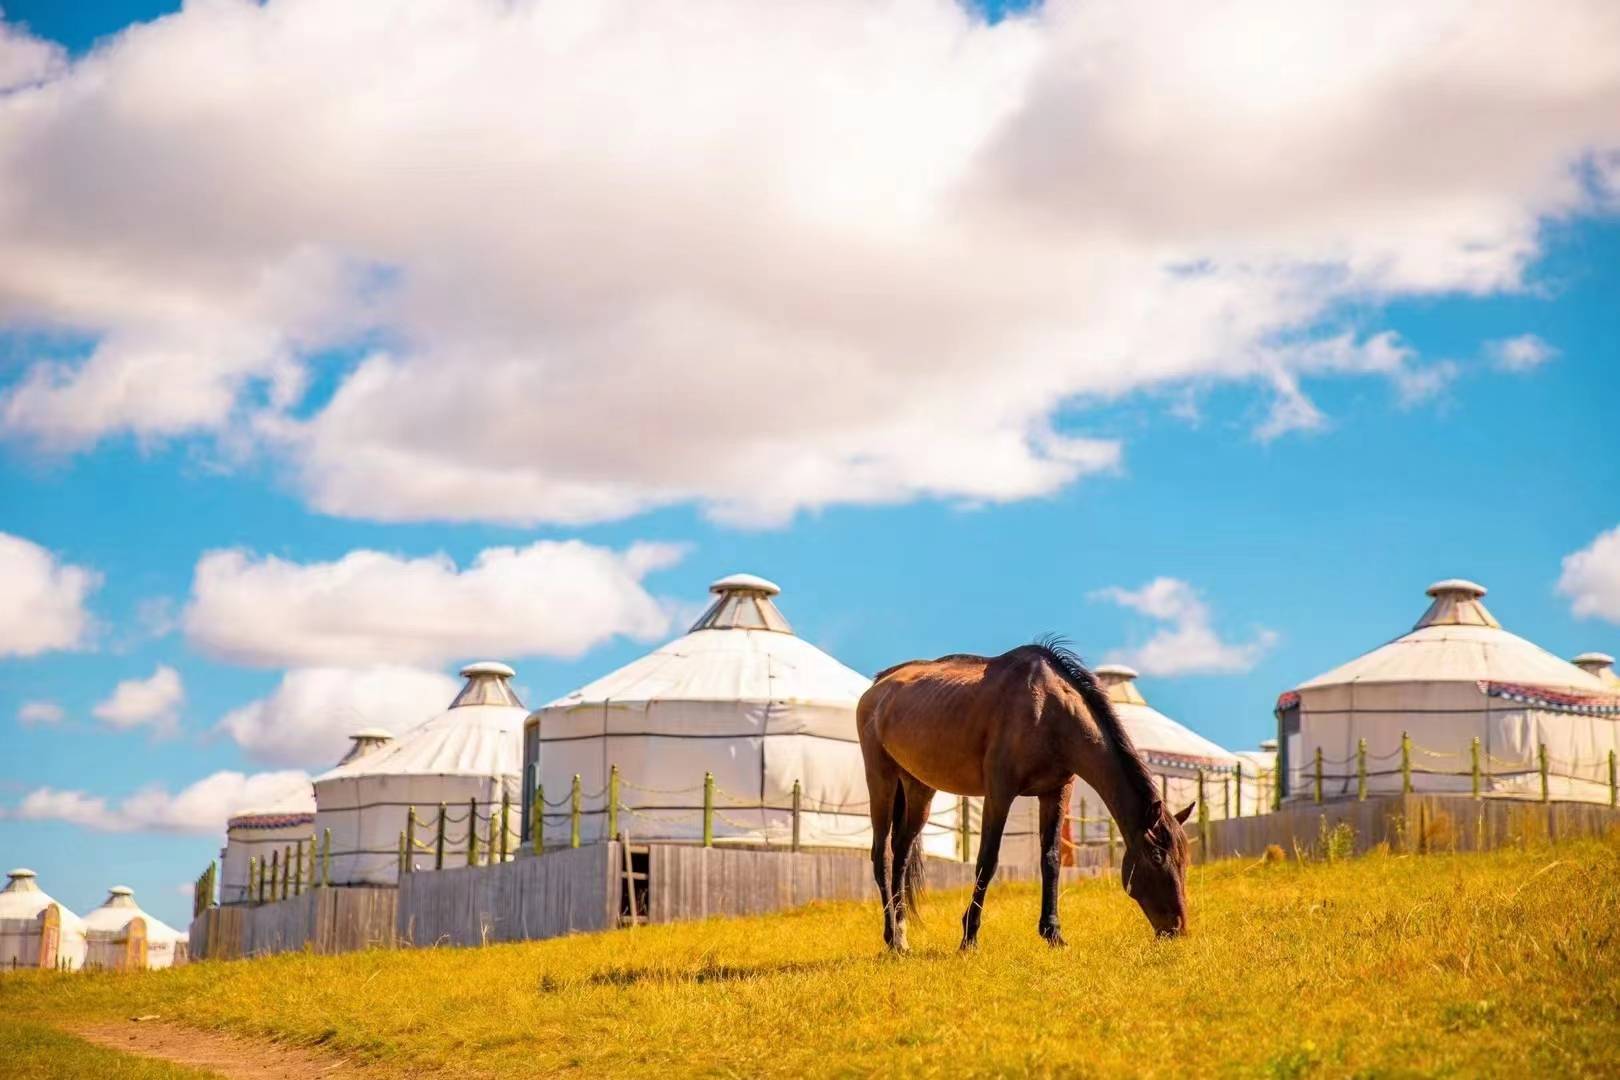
{"x": 740, "y": 696}
{"x": 469, "y": 753}
{"x": 1456, "y": 676}
{"x": 259, "y": 833}
{"x": 35, "y": 930}
{"x": 120, "y": 936}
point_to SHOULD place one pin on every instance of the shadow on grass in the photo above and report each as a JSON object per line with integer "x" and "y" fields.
{"x": 710, "y": 972}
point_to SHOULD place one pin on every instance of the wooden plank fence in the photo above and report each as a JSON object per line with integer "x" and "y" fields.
{"x": 326, "y": 920}
{"x": 532, "y": 897}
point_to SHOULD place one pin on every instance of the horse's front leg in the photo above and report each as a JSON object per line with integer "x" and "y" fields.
{"x": 1053, "y": 807}
{"x": 996, "y": 806}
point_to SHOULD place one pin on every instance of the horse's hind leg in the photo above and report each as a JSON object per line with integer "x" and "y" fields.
{"x": 1052, "y": 809}
{"x": 996, "y": 805}
{"x": 913, "y": 815}
{"x": 882, "y": 778}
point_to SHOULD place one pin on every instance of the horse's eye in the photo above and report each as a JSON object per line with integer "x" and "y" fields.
{"x": 1158, "y": 857}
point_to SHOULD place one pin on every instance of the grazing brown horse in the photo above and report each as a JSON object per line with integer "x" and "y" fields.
{"x": 1022, "y": 723}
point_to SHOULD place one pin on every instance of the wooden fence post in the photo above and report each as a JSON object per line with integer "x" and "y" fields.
{"x": 1541, "y": 755}
{"x": 490, "y": 841}
{"x": 964, "y": 828}
{"x": 253, "y": 875}
{"x": 1318, "y": 774}
{"x": 1239, "y": 786}
{"x": 472, "y": 831}
{"x": 537, "y": 827}
{"x": 438, "y": 843}
{"x": 576, "y": 799}
{"x": 1226, "y": 798}
{"x": 1406, "y": 763}
{"x": 1203, "y": 820}
{"x": 286, "y": 870}
{"x": 1164, "y": 788}
{"x": 298, "y": 872}
{"x": 1110, "y": 839}
{"x": 613, "y": 801}
{"x": 326, "y": 858}
{"x": 506, "y": 816}
{"x": 1613, "y": 791}
{"x": 708, "y": 809}
{"x": 798, "y": 800}
{"x": 1361, "y": 770}
{"x": 1473, "y": 750}
{"x": 1082, "y": 819}
{"x": 410, "y": 838}
{"x": 402, "y": 853}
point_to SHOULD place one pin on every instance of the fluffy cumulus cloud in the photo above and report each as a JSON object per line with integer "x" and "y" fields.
{"x": 41, "y": 598}
{"x": 307, "y": 719}
{"x": 1591, "y": 578}
{"x": 1187, "y": 643}
{"x": 153, "y": 702}
{"x": 201, "y": 808}
{"x": 603, "y": 256}
{"x": 552, "y": 598}
{"x": 38, "y": 713}
{"x": 1519, "y": 354}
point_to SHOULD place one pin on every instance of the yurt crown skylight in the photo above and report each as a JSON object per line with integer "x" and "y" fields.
{"x": 487, "y": 684}
{"x": 1457, "y": 603}
{"x": 743, "y": 602}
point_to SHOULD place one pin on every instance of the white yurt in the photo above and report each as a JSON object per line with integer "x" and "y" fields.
{"x": 260, "y": 832}
{"x": 35, "y": 930}
{"x": 468, "y": 752}
{"x": 120, "y": 936}
{"x": 1260, "y": 770}
{"x": 1601, "y": 665}
{"x": 740, "y": 696}
{"x": 1175, "y": 754}
{"x": 1456, "y": 676}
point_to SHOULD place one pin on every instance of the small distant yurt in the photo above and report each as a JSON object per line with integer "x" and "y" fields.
{"x": 1455, "y": 676}
{"x": 119, "y": 936}
{"x": 469, "y": 752}
{"x": 1174, "y": 753}
{"x": 740, "y": 696}
{"x": 1601, "y": 665}
{"x": 272, "y": 829}
{"x": 1259, "y": 770}
{"x": 35, "y": 930}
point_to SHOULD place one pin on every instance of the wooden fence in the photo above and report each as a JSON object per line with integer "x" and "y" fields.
{"x": 327, "y": 920}
{"x": 1409, "y": 823}
{"x": 561, "y": 892}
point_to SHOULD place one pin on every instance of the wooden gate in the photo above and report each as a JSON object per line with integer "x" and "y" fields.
{"x": 135, "y": 945}
{"x": 50, "y": 936}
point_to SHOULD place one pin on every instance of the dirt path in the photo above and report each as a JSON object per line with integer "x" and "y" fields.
{"x": 231, "y": 1056}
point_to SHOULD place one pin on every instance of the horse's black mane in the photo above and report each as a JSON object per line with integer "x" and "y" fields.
{"x": 1067, "y": 663}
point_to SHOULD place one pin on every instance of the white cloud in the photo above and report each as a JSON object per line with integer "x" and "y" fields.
{"x": 552, "y": 598}
{"x": 34, "y": 713}
{"x": 41, "y": 599}
{"x": 612, "y": 256}
{"x": 307, "y": 719}
{"x": 25, "y": 60}
{"x": 1189, "y": 645}
{"x": 1591, "y": 578}
{"x": 151, "y": 702}
{"x": 202, "y": 807}
{"x": 1523, "y": 353}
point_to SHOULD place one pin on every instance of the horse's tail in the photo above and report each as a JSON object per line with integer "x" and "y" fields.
{"x": 916, "y": 868}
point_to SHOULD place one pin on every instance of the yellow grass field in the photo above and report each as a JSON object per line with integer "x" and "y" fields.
{"x": 1503, "y": 964}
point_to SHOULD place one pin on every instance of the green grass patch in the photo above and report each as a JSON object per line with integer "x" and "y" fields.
{"x": 36, "y": 1051}
{"x": 1503, "y": 964}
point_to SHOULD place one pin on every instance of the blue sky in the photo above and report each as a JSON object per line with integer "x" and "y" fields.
{"x": 1298, "y": 541}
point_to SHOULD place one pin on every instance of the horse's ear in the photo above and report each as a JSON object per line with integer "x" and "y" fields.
{"x": 1186, "y": 812}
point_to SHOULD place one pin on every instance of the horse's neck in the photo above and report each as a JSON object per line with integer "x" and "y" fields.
{"x": 1099, "y": 763}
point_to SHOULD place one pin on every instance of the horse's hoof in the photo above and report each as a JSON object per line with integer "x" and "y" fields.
{"x": 1056, "y": 941}
{"x": 969, "y": 945}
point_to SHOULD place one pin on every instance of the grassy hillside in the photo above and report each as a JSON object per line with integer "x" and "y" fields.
{"x": 1505, "y": 964}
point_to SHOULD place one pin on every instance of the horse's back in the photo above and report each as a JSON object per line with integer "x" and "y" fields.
{"x": 933, "y": 718}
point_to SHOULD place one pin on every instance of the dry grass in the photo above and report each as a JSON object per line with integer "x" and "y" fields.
{"x": 1499, "y": 964}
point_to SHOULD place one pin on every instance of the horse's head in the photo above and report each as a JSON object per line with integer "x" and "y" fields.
{"x": 1154, "y": 870}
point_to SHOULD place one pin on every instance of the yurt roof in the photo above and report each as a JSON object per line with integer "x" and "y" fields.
{"x": 119, "y": 908}
{"x": 1458, "y": 640}
{"x": 1158, "y": 738}
{"x": 297, "y": 807}
{"x": 22, "y": 898}
{"x": 741, "y": 649}
{"x": 478, "y": 735}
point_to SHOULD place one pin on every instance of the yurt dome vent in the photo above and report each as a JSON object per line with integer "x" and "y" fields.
{"x": 365, "y": 741}
{"x": 1600, "y": 664}
{"x": 743, "y": 602}
{"x": 488, "y": 683}
{"x": 1457, "y": 603}
{"x": 1119, "y": 681}
{"x": 21, "y": 880}
{"x": 120, "y": 896}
